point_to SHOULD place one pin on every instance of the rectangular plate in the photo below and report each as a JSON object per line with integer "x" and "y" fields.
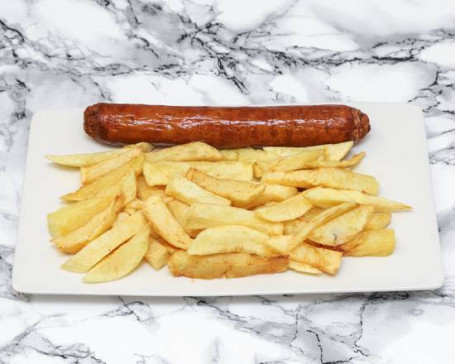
{"x": 396, "y": 155}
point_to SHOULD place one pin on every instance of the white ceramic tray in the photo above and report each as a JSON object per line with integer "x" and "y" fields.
{"x": 396, "y": 154}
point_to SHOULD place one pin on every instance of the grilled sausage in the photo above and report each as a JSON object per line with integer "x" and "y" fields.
{"x": 227, "y": 127}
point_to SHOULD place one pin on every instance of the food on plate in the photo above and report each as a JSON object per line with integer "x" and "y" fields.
{"x": 373, "y": 242}
{"x": 287, "y": 210}
{"x": 231, "y": 127}
{"x": 195, "y": 151}
{"x": 332, "y": 152}
{"x": 240, "y": 193}
{"x": 104, "y": 244}
{"x": 161, "y": 173}
{"x": 94, "y": 171}
{"x": 378, "y": 221}
{"x": 164, "y": 223}
{"x": 203, "y": 216}
{"x": 326, "y": 260}
{"x": 210, "y": 213}
{"x": 107, "y": 185}
{"x": 303, "y": 268}
{"x": 325, "y": 177}
{"x": 70, "y": 217}
{"x": 273, "y": 193}
{"x": 327, "y": 197}
{"x": 230, "y": 239}
{"x": 121, "y": 261}
{"x": 144, "y": 191}
{"x": 295, "y": 162}
{"x": 97, "y": 225}
{"x": 87, "y": 159}
{"x": 324, "y": 217}
{"x": 157, "y": 254}
{"x": 230, "y": 265}
{"x": 188, "y": 192}
{"x": 342, "y": 228}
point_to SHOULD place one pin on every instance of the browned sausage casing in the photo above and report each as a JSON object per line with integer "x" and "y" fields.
{"x": 227, "y": 127}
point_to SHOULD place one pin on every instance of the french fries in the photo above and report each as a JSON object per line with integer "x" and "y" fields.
{"x": 320, "y": 219}
{"x": 234, "y": 170}
{"x": 325, "y": 177}
{"x": 107, "y": 185}
{"x": 302, "y": 267}
{"x": 93, "y": 172}
{"x": 105, "y": 243}
{"x": 231, "y": 265}
{"x": 327, "y": 197}
{"x": 164, "y": 223}
{"x": 241, "y": 193}
{"x": 87, "y": 159}
{"x": 81, "y": 160}
{"x": 248, "y": 154}
{"x": 70, "y": 217}
{"x": 97, "y": 225}
{"x": 157, "y": 254}
{"x": 294, "y": 161}
{"x": 333, "y": 152}
{"x": 377, "y": 243}
{"x": 203, "y": 216}
{"x": 378, "y": 221}
{"x": 342, "y": 228}
{"x": 121, "y": 261}
{"x": 286, "y": 210}
{"x": 273, "y": 193}
{"x": 196, "y": 151}
{"x": 179, "y": 210}
{"x": 325, "y": 260}
{"x": 144, "y": 191}
{"x": 162, "y": 173}
{"x": 230, "y": 239}
{"x": 188, "y": 192}
{"x": 208, "y": 213}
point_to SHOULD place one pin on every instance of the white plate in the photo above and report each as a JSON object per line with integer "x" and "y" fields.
{"x": 396, "y": 155}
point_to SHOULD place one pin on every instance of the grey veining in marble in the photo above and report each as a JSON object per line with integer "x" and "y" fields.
{"x": 71, "y": 53}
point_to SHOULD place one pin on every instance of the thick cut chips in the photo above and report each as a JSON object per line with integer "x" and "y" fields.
{"x": 325, "y": 177}
{"x": 241, "y": 193}
{"x": 342, "y": 228}
{"x": 202, "y": 216}
{"x": 122, "y": 261}
{"x": 230, "y": 239}
{"x": 289, "y": 209}
{"x": 70, "y": 217}
{"x": 188, "y": 192}
{"x": 164, "y": 223}
{"x": 197, "y": 151}
{"x": 373, "y": 243}
{"x": 325, "y": 260}
{"x": 327, "y": 197}
{"x": 93, "y": 172}
{"x": 319, "y": 220}
{"x": 157, "y": 254}
{"x": 229, "y": 265}
{"x": 105, "y": 244}
{"x": 97, "y": 225}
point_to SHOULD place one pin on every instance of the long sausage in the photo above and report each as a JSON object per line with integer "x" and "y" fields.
{"x": 228, "y": 127}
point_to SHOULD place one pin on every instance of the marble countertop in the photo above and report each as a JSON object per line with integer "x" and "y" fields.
{"x": 71, "y": 53}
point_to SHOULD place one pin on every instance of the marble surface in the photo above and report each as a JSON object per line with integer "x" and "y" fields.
{"x": 71, "y": 53}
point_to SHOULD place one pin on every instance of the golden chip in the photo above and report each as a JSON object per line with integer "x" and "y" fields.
{"x": 230, "y": 239}
{"x": 327, "y": 197}
{"x": 229, "y": 265}
{"x": 325, "y": 177}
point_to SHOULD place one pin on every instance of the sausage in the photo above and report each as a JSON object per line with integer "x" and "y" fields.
{"x": 227, "y": 127}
